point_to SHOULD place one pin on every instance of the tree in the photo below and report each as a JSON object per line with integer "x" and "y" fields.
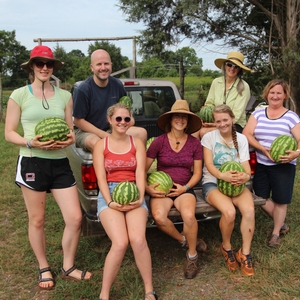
{"x": 12, "y": 54}
{"x": 266, "y": 31}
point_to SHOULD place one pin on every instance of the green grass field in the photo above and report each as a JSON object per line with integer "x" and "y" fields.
{"x": 277, "y": 273}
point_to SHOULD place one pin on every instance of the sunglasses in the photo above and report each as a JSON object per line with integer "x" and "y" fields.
{"x": 40, "y": 64}
{"x": 230, "y": 65}
{"x": 126, "y": 119}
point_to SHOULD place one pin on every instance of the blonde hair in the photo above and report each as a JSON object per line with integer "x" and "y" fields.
{"x": 111, "y": 110}
{"x": 223, "y": 108}
{"x": 274, "y": 82}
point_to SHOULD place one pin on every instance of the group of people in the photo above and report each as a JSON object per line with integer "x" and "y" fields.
{"x": 189, "y": 151}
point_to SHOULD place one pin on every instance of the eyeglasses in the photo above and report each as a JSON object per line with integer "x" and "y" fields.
{"x": 126, "y": 119}
{"x": 230, "y": 65}
{"x": 40, "y": 64}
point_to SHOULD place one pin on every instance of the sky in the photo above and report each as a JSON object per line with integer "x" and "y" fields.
{"x": 33, "y": 19}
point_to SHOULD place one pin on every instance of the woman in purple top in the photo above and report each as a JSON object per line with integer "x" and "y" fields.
{"x": 263, "y": 127}
{"x": 178, "y": 153}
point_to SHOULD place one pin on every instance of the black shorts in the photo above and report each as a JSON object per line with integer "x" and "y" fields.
{"x": 43, "y": 174}
{"x": 190, "y": 191}
{"x": 277, "y": 180}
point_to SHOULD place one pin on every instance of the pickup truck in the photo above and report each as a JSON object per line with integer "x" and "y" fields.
{"x": 163, "y": 95}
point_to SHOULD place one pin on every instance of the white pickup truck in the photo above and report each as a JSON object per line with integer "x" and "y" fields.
{"x": 163, "y": 94}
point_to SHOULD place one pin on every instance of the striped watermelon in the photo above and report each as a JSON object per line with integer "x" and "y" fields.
{"x": 52, "y": 128}
{"x": 226, "y": 187}
{"x": 153, "y": 167}
{"x": 165, "y": 181}
{"x": 126, "y": 100}
{"x": 281, "y": 144}
{"x": 206, "y": 114}
{"x": 125, "y": 193}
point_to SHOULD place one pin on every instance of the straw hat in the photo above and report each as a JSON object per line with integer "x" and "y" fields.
{"x": 180, "y": 107}
{"x": 43, "y": 53}
{"x": 236, "y": 58}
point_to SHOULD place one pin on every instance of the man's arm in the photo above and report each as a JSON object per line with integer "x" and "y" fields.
{"x": 88, "y": 127}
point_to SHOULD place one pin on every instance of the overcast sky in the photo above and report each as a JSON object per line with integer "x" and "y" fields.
{"x": 32, "y": 19}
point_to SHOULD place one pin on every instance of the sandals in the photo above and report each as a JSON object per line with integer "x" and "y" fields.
{"x": 148, "y": 295}
{"x": 41, "y": 279}
{"x": 65, "y": 274}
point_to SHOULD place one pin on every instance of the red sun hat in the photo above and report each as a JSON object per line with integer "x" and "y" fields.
{"x": 44, "y": 53}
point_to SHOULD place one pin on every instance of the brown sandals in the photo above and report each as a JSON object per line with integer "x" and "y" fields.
{"x": 65, "y": 274}
{"x": 41, "y": 279}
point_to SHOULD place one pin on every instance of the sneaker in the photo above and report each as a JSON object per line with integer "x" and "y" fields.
{"x": 200, "y": 246}
{"x": 274, "y": 241}
{"x": 229, "y": 259}
{"x": 191, "y": 268}
{"x": 245, "y": 262}
{"x": 284, "y": 229}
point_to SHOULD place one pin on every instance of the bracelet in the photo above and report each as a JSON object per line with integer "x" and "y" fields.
{"x": 187, "y": 187}
{"x": 298, "y": 150}
{"x": 28, "y": 145}
{"x": 109, "y": 203}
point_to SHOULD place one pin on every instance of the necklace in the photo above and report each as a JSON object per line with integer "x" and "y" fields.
{"x": 177, "y": 141}
{"x": 226, "y": 93}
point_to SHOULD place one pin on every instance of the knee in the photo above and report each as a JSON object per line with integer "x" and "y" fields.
{"x": 138, "y": 243}
{"x": 249, "y": 214}
{"x": 120, "y": 246}
{"x": 189, "y": 219}
{"x": 229, "y": 215}
{"x": 37, "y": 221}
{"x": 159, "y": 218}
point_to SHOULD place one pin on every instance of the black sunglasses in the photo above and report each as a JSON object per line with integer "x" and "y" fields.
{"x": 230, "y": 65}
{"x": 40, "y": 64}
{"x": 126, "y": 119}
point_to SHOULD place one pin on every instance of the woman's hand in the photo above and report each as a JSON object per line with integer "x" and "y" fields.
{"x": 126, "y": 207}
{"x": 240, "y": 178}
{"x": 291, "y": 155}
{"x": 150, "y": 189}
{"x": 177, "y": 191}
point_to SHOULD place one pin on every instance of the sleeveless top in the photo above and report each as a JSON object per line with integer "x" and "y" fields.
{"x": 120, "y": 166}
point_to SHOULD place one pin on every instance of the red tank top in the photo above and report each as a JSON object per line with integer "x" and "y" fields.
{"x": 120, "y": 166}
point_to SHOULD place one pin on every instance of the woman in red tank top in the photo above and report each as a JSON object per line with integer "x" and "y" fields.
{"x": 120, "y": 157}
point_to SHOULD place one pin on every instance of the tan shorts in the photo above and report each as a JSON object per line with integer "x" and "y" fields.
{"x": 80, "y": 138}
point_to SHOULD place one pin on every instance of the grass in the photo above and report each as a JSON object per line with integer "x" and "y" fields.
{"x": 277, "y": 273}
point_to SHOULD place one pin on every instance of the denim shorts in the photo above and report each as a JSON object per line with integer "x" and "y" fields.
{"x": 101, "y": 203}
{"x": 207, "y": 188}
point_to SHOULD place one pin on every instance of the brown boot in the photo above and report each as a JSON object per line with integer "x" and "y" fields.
{"x": 191, "y": 267}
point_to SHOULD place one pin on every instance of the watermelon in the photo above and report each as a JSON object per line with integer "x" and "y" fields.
{"x": 206, "y": 114}
{"x": 126, "y": 100}
{"x": 52, "y": 128}
{"x": 281, "y": 144}
{"x": 226, "y": 187}
{"x": 165, "y": 181}
{"x": 125, "y": 193}
{"x": 153, "y": 167}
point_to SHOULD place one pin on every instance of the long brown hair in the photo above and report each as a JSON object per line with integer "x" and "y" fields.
{"x": 223, "y": 108}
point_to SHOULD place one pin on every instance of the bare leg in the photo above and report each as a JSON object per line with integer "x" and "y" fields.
{"x": 35, "y": 204}
{"x": 68, "y": 202}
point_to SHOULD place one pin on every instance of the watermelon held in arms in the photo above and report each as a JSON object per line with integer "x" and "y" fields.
{"x": 52, "y": 128}
{"x": 165, "y": 181}
{"x": 125, "y": 193}
{"x": 206, "y": 114}
{"x": 153, "y": 167}
{"x": 126, "y": 100}
{"x": 227, "y": 188}
{"x": 280, "y": 145}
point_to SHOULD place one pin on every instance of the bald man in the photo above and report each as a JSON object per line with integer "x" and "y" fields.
{"x": 92, "y": 98}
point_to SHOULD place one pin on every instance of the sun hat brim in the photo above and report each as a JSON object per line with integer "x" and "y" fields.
{"x": 219, "y": 62}
{"x": 27, "y": 65}
{"x": 194, "y": 122}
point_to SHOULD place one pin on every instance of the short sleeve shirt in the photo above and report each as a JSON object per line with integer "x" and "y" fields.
{"x": 177, "y": 164}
